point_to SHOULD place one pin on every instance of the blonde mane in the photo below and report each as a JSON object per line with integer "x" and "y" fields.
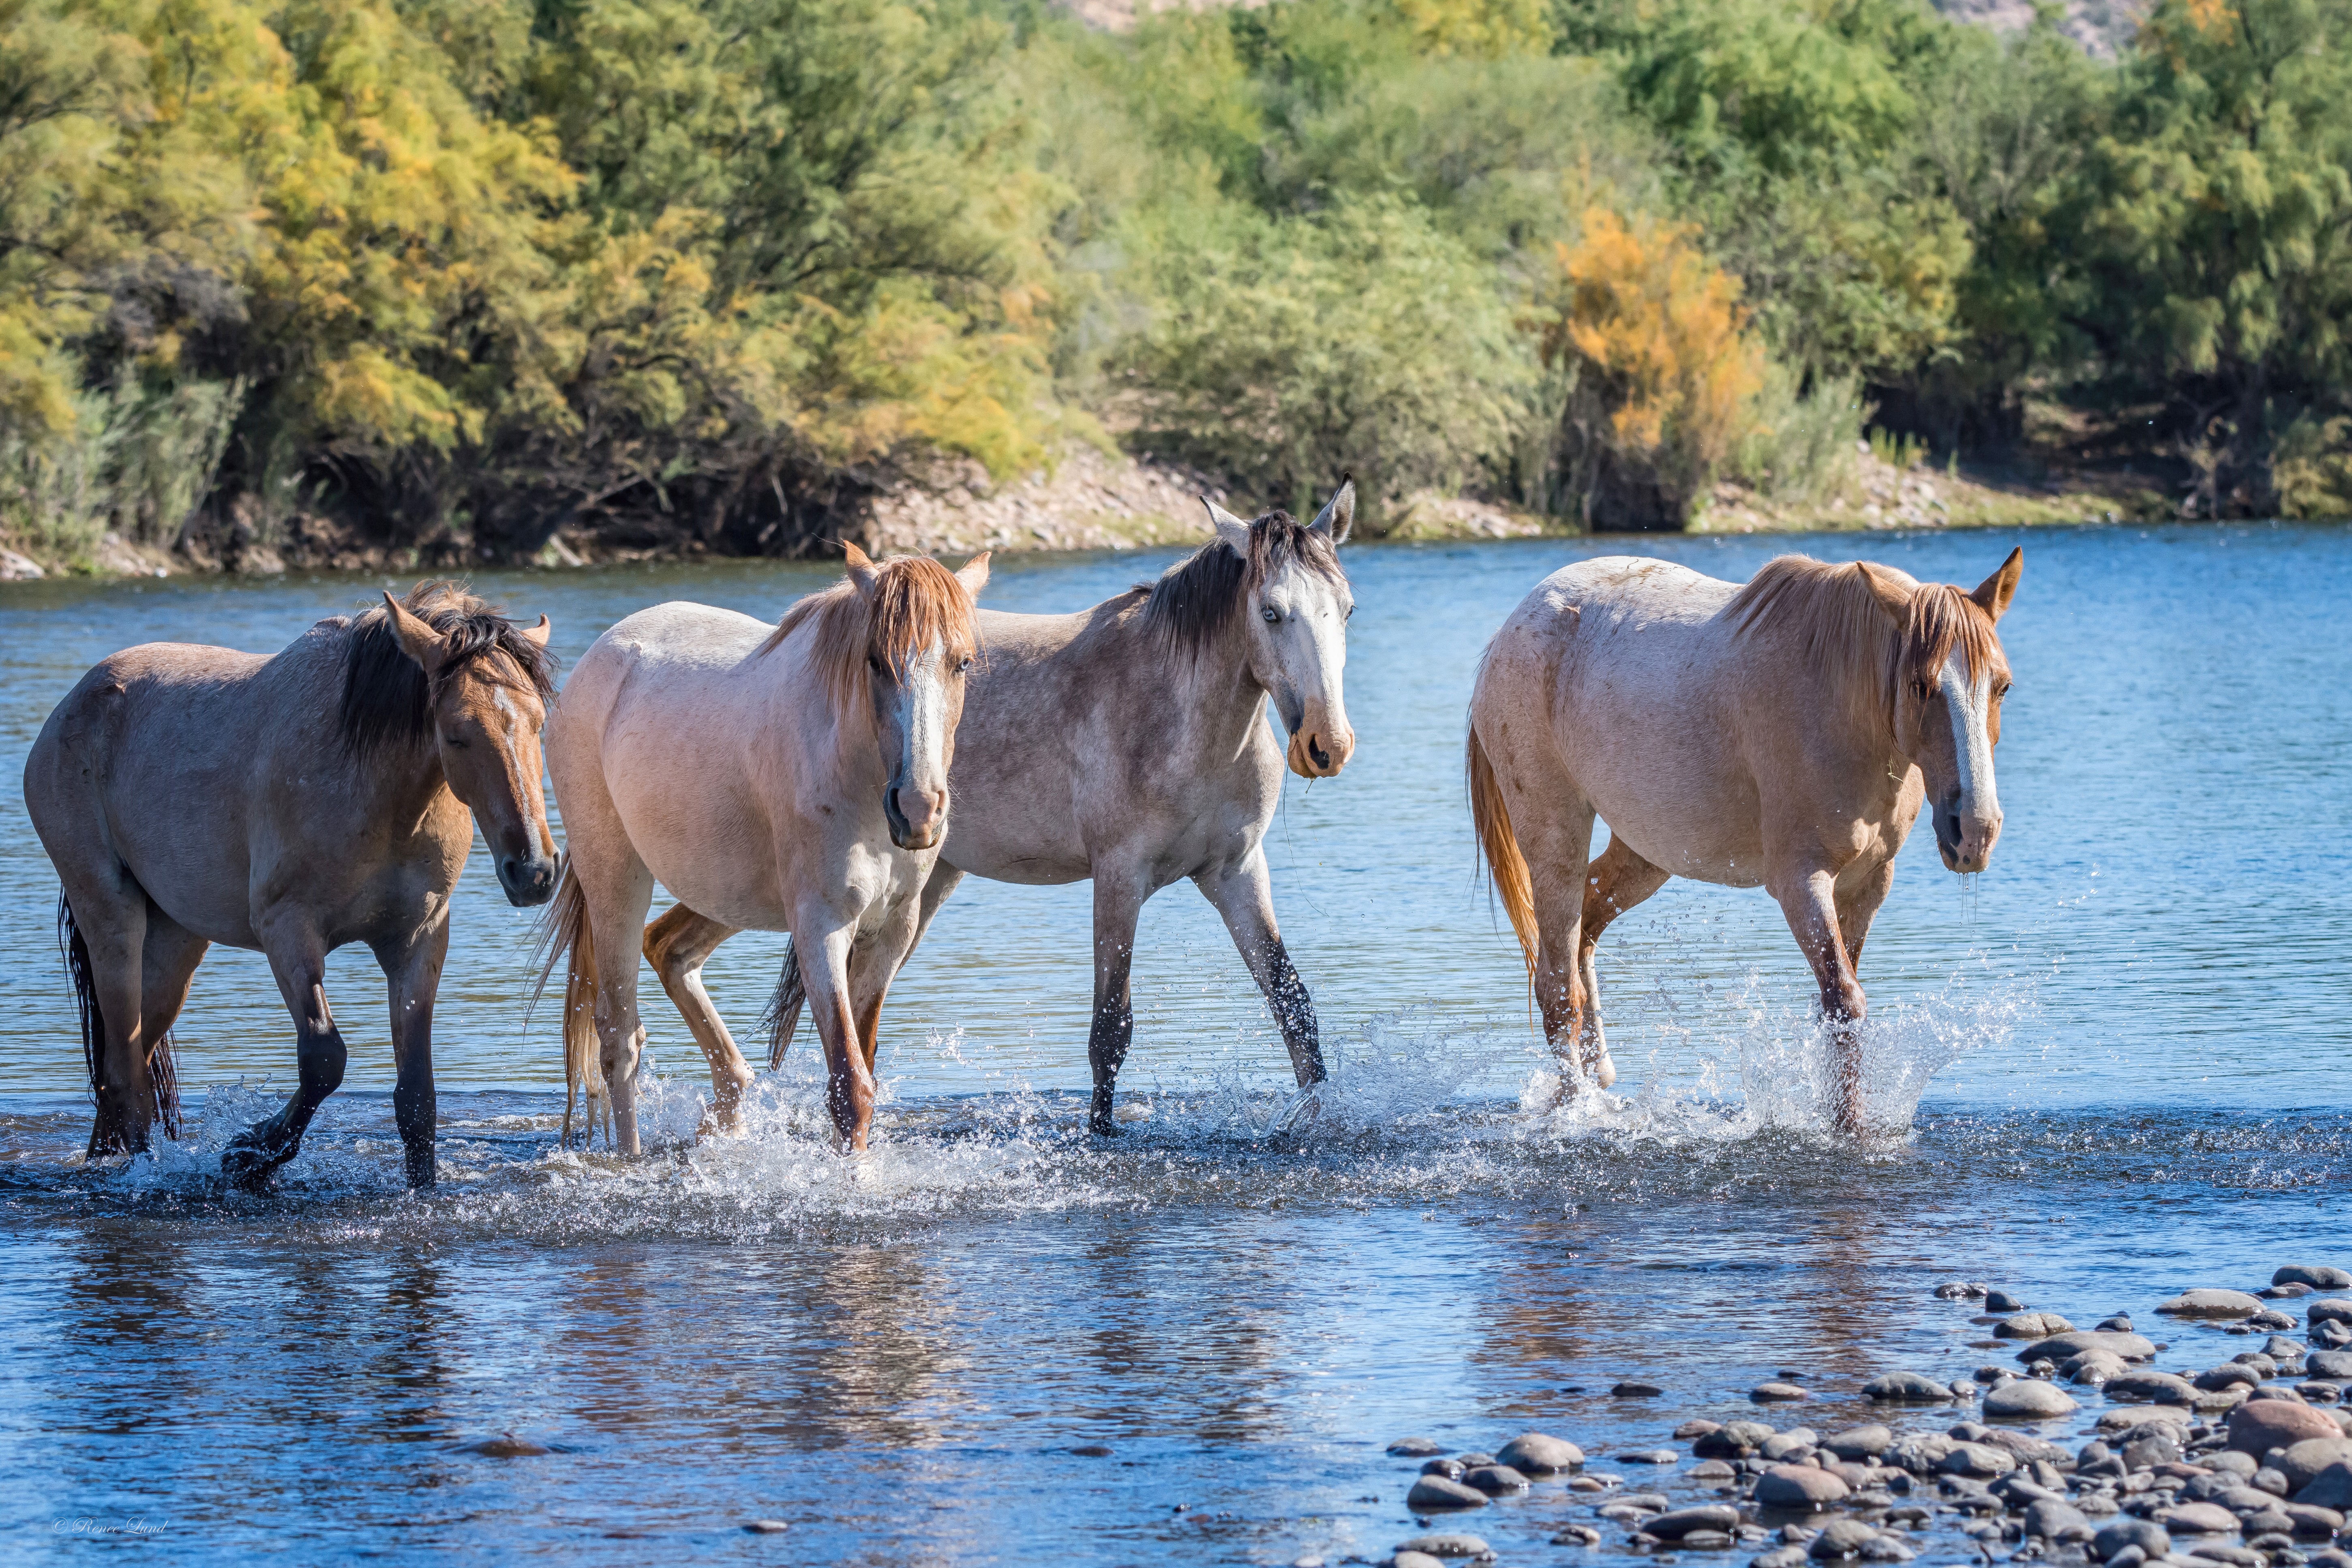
{"x": 916, "y": 601}
{"x": 1848, "y": 637}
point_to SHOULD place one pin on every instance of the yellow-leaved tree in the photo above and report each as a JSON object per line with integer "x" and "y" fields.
{"x": 1654, "y": 365}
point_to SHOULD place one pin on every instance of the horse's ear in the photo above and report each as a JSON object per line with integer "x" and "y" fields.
{"x": 538, "y": 633}
{"x": 863, "y": 573}
{"x": 1891, "y": 596}
{"x": 974, "y": 575}
{"x": 419, "y": 640}
{"x": 1230, "y": 529}
{"x": 1339, "y": 513}
{"x": 1995, "y": 591}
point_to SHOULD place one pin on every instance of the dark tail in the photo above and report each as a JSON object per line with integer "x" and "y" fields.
{"x": 783, "y": 1013}
{"x": 162, "y": 1075}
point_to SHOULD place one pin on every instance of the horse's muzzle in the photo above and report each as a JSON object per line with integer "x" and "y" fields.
{"x": 1965, "y": 842}
{"x": 1319, "y": 755}
{"x": 925, "y": 829}
{"x": 528, "y": 880}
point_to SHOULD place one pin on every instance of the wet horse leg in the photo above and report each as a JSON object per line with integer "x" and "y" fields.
{"x": 849, "y": 1086}
{"x": 1119, "y": 899}
{"x": 412, "y": 973}
{"x": 1244, "y": 895}
{"x": 298, "y": 958}
{"x": 1618, "y": 881}
{"x": 784, "y": 1014}
{"x": 1857, "y": 906}
{"x": 1809, "y": 900}
{"x": 678, "y": 945}
{"x": 109, "y": 919}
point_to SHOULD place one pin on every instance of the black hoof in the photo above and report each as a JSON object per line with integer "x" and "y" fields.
{"x": 250, "y": 1162}
{"x": 1102, "y": 1124}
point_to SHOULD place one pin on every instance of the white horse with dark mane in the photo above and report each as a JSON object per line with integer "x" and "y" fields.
{"x": 1782, "y": 735}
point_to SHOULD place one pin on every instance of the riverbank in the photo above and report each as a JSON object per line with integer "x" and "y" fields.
{"x": 1093, "y": 499}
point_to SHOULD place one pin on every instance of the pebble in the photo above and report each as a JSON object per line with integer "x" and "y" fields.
{"x": 1887, "y": 1548}
{"x": 2061, "y": 1347}
{"x": 1907, "y": 1386}
{"x": 1796, "y": 1443}
{"x": 2095, "y": 1367}
{"x": 1707, "y": 1540}
{"x": 2270, "y": 1318}
{"x": 1800, "y": 1487}
{"x": 2319, "y": 1276}
{"x": 1866, "y": 1442}
{"x": 2144, "y": 1533}
{"x": 1689, "y": 1430}
{"x": 2031, "y": 1326}
{"x": 1635, "y": 1390}
{"x": 2281, "y": 1348}
{"x": 1767, "y": 1393}
{"x": 1431, "y": 1492}
{"x": 1977, "y": 1459}
{"x": 2331, "y": 1488}
{"x": 1471, "y": 1461}
{"x": 1416, "y": 1447}
{"x": 2211, "y": 1304}
{"x": 2331, "y": 1335}
{"x": 1539, "y": 1454}
{"x": 2054, "y": 1519}
{"x": 1711, "y": 1472}
{"x": 766, "y": 1527}
{"x": 2162, "y": 1388}
{"x": 2328, "y": 1310}
{"x": 1495, "y": 1481}
{"x": 1415, "y": 1560}
{"x": 2003, "y": 1301}
{"x": 1649, "y": 1456}
{"x": 1449, "y": 1468}
{"x": 2314, "y": 1518}
{"x": 1735, "y": 1440}
{"x": 1679, "y": 1523}
{"x": 2260, "y": 1424}
{"x": 2199, "y": 1519}
{"x": 2328, "y": 1363}
{"x": 507, "y": 1446}
{"x": 2302, "y": 1462}
{"x": 2027, "y": 1400}
{"x": 1780, "y": 1557}
{"x": 1840, "y": 1538}
{"x": 1577, "y": 1535}
{"x": 2227, "y": 1375}
{"x": 2120, "y": 1323}
{"x": 1448, "y": 1545}
{"x": 1960, "y": 1291}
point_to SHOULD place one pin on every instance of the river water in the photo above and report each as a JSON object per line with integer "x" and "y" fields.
{"x": 2125, "y": 1045}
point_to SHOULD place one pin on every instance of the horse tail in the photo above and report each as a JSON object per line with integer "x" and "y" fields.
{"x": 162, "y": 1074}
{"x": 1505, "y": 864}
{"x": 564, "y": 931}
{"x": 783, "y": 1013}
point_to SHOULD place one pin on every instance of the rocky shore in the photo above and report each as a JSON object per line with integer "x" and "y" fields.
{"x": 2097, "y": 1444}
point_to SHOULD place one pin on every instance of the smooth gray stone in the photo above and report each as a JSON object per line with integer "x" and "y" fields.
{"x": 1777, "y": 1393}
{"x": 2328, "y": 1310}
{"x": 1635, "y": 1390}
{"x": 1736, "y": 1440}
{"x": 1780, "y": 1557}
{"x": 2116, "y": 1534}
{"x": 1865, "y": 1442}
{"x": 1781, "y": 1446}
{"x": 2199, "y": 1519}
{"x": 1416, "y": 1447}
{"x": 1682, "y": 1520}
{"x": 1435, "y": 1492}
{"x": 2281, "y": 1348}
{"x": 1577, "y": 1535}
{"x": 2328, "y": 1363}
{"x": 2003, "y": 1301}
{"x": 2212, "y": 1304}
{"x": 1649, "y": 1457}
{"x": 2159, "y": 1387}
{"x": 2027, "y": 1400}
{"x": 2319, "y": 1276}
{"x": 1539, "y": 1454}
{"x": 1707, "y": 1540}
{"x": 2227, "y": 1375}
{"x": 766, "y": 1527}
{"x": 2064, "y": 1347}
{"x": 1495, "y": 1481}
{"x": 1908, "y": 1386}
{"x": 2053, "y": 1519}
{"x": 1415, "y": 1560}
{"x": 1840, "y": 1538}
{"x": 2304, "y": 1462}
{"x": 2313, "y": 1519}
{"x": 2330, "y": 1488}
{"x": 1977, "y": 1459}
{"x": 1446, "y": 1545}
{"x": 1800, "y": 1487}
{"x": 1887, "y": 1548}
{"x": 2031, "y": 1326}
{"x": 1449, "y": 1468}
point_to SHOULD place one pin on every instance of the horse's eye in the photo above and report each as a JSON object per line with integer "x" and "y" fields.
{"x": 2004, "y": 689}
{"x": 1273, "y": 617}
{"x": 1919, "y": 690}
{"x": 1351, "y": 615}
{"x": 454, "y": 743}
{"x": 964, "y": 667}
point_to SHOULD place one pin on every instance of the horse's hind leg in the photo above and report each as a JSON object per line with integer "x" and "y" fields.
{"x": 413, "y": 979}
{"x": 105, "y": 933}
{"x": 167, "y": 967}
{"x": 298, "y": 958}
{"x": 1118, "y": 902}
{"x": 678, "y": 945}
{"x": 1617, "y": 881}
{"x": 784, "y": 1012}
{"x": 1244, "y": 895}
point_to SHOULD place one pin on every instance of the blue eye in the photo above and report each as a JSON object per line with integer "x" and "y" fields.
{"x": 1273, "y": 617}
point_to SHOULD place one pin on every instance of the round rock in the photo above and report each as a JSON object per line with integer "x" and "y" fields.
{"x": 2064, "y": 1347}
{"x": 2260, "y": 1424}
{"x": 2031, "y": 1326}
{"x": 1733, "y": 1440}
{"x": 1910, "y": 1387}
{"x": 1415, "y": 1560}
{"x": 1800, "y": 1487}
{"x": 2199, "y": 1519}
{"x": 1840, "y": 1538}
{"x": 1431, "y": 1494}
{"x": 766, "y": 1527}
{"x": 1981, "y": 1460}
{"x": 1866, "y": 1442}
{"x": 2302, "y": 1462}
{"x": 1447, "y": 1545}
{"x": 2328, "y": 1363}
{"x": 1682, "y": 1521}
{"x": 1768, "y": 1393}
{"x": 2159, "y": 1387}
{"x": 1540, "y": 1454}
{"x": 1649, "y": 1457}
{"x": 2025, "y": 1399}
{"x": 1416, "y": 1447}
{"x": 2055, "y": 1519}
{"x": 2318, "y": 1276}
{"x": 2116, "y": 1534}
{"x": 2331, "y": 1488}
{"x": 1635, "y": 1390}
{"x": 1495, "y": 1481}
{"x": 2211, "y": 1304}
{"x": 2328, "y": 1310}
{"x": 2003, "y": 1301}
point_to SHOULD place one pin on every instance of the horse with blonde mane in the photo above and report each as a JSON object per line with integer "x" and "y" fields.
{"x": 791, "y": 777}
{"x": 292, "y": 804}
{"x": 1784, "y": 734}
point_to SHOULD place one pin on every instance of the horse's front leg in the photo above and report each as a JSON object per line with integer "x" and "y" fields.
{"x": 298, "y": 958}
{"x": 412, "y": 973}
{"x": 678, "y": 945}
{"x": 823, "y": 940}
{"x": 1809, "y": 900}
{"x": 1244, "y": 895}
{"x": 1119, "y": 899}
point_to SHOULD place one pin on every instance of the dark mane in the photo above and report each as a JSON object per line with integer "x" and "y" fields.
{"x": 1197, "y": 599}
{"x": 387, "y": 702}
{"x": 1849, "y": 637}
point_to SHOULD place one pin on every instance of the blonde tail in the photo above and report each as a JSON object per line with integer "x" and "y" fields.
{"x": 1504, "y": 862}
{"x": 564, "y": 931}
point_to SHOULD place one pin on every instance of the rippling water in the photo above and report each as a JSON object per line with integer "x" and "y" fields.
{"x": 2130, "y": 1039}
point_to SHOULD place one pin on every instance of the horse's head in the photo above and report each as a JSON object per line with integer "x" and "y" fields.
{"x": 1295, "y": 615}
{"x": 920, "y": 641}
{"x": 1952, "y": 679}
{"x": 486, "y": 682}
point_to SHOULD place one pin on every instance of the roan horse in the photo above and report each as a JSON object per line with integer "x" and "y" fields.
{"x": 1128, "y": 743}
{"x": 791, "y": 777}
{"x": 292, "y": 804}
{"x": 1783, "y": 734}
